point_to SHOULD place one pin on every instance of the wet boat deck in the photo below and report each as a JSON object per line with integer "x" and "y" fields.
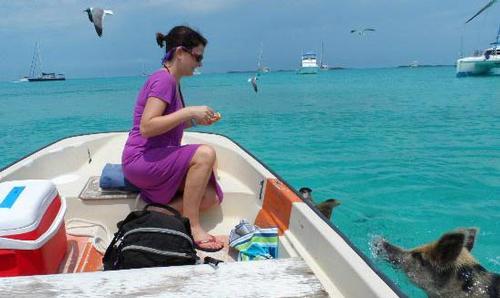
{"x": 289, "y": 277}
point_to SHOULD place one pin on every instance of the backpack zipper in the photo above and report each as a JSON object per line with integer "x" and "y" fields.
{"x": 158, "y": 230}
{"x": 157, "y": 251}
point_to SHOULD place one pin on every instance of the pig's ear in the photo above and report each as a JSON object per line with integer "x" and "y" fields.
{"x": 448, "y": 248}
{"x": 470, "y": 237}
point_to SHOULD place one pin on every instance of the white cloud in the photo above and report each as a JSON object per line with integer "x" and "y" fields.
{"x": 24, "y": 14}
{"x": 199, "y": 6}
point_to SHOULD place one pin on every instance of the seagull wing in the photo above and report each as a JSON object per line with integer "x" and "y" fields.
{"x": 369, "y": 29}
{"x": 89, "y": 14}
{"x": 97, "y": 15}
{"x": 481, "y": 10}
{"x": 352, "y": 31}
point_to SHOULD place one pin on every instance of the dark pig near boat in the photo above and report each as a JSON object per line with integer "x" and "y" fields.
{"x": 325, "y": 207}
{"x": 444, "y": 268}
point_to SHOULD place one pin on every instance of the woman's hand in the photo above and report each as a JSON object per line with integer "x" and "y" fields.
{"x": 203, "y": 115}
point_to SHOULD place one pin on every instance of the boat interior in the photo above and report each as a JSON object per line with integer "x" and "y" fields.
{"x": 251, "y": 192}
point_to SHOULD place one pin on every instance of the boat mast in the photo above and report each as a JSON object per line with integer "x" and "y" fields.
{"x": 498, "y": 36}
{"x": 35, "y": 62}
{"x": 321, "y": 59}
{"x": 259, "y": 61}
{"x": 462, "y": 42}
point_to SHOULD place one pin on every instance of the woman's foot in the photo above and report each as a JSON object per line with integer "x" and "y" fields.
{"x": 204, "y": 241}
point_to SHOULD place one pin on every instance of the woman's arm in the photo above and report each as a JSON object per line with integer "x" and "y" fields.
{"x": 188, "y": 124}
{"x": 154, "y": 123}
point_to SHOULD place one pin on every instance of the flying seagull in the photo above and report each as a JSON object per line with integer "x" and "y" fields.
{"x": 253, "y": 80}
{"x": 96, "y": 15}
{"x": 362, "y": 32}
{"x": 482, "y": 9}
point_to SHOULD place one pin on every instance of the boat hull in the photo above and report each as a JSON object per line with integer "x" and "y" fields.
{"x": 46, "y": 80}
{"x": 308, "y": 70}
{"x": 477, "y": 66}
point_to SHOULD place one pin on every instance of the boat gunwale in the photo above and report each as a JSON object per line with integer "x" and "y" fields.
{"x": 368, "y": 261}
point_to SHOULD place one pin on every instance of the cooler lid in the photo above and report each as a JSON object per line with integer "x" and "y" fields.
{"x": 23, "y": 204}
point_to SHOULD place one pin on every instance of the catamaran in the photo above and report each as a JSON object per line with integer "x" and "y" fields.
{"x": 44, "y": 194}
{"x": 482, "y": 63}
{"x": 309, "y": 64}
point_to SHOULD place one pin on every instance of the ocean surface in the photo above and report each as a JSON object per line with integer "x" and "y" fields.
{"x": 411, "y": 152}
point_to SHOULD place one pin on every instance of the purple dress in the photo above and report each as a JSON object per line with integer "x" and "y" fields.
{"x": 158, "y": 165}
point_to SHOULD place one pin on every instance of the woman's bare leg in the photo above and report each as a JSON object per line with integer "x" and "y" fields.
{"x": 176, "y": 203}
{"x": 198, "y": 175}
{"x": 209, "y": 199}
{"x": 216, "y": 171}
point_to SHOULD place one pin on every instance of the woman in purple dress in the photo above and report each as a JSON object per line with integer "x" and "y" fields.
{"x": 153, "y": 158}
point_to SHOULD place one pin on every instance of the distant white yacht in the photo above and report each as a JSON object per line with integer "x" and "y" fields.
{"x": 309, "y": 64}
{"x": 480, "y": 63}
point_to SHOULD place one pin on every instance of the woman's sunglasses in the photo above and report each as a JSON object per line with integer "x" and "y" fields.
{"x": 197, "y": 57}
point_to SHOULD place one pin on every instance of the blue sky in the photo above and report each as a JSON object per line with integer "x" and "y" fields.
{"x": 428, "y": 31}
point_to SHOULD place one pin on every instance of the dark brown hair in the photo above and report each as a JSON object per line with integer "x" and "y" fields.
{"x": 180, "y": 36}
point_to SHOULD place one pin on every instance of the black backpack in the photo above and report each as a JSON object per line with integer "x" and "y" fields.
{"x": 151, "y": 239}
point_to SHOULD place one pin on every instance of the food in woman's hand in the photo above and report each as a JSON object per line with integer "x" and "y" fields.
{"x": 216, "y": 117}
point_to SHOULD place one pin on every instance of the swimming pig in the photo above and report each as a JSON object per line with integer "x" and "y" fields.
{"x": 444, "y": 268}
{"x": 324, "y": 207}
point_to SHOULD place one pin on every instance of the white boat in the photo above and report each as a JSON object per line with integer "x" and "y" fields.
{"x": 482, "y": 63}
{"x": 315, "y": 258}
{"x": 309, "y": 64}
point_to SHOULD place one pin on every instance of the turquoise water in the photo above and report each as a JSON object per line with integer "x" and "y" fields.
{"x": 411, "y": 153}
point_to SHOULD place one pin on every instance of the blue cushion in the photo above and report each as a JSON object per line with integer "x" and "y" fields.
{"x": 112, "y": 178}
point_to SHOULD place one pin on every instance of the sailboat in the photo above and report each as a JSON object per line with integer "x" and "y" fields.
{"x": 36, "y": 75}
{"x": 260, "y": 67}
{"x": 322, "y": 64}
{"x": 144, "y": 72}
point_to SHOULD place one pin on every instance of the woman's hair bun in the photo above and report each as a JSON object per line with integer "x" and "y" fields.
{"x": 160, "y": 38}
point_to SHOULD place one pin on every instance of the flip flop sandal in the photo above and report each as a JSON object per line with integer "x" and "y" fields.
{"x": 197, "y": 244}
